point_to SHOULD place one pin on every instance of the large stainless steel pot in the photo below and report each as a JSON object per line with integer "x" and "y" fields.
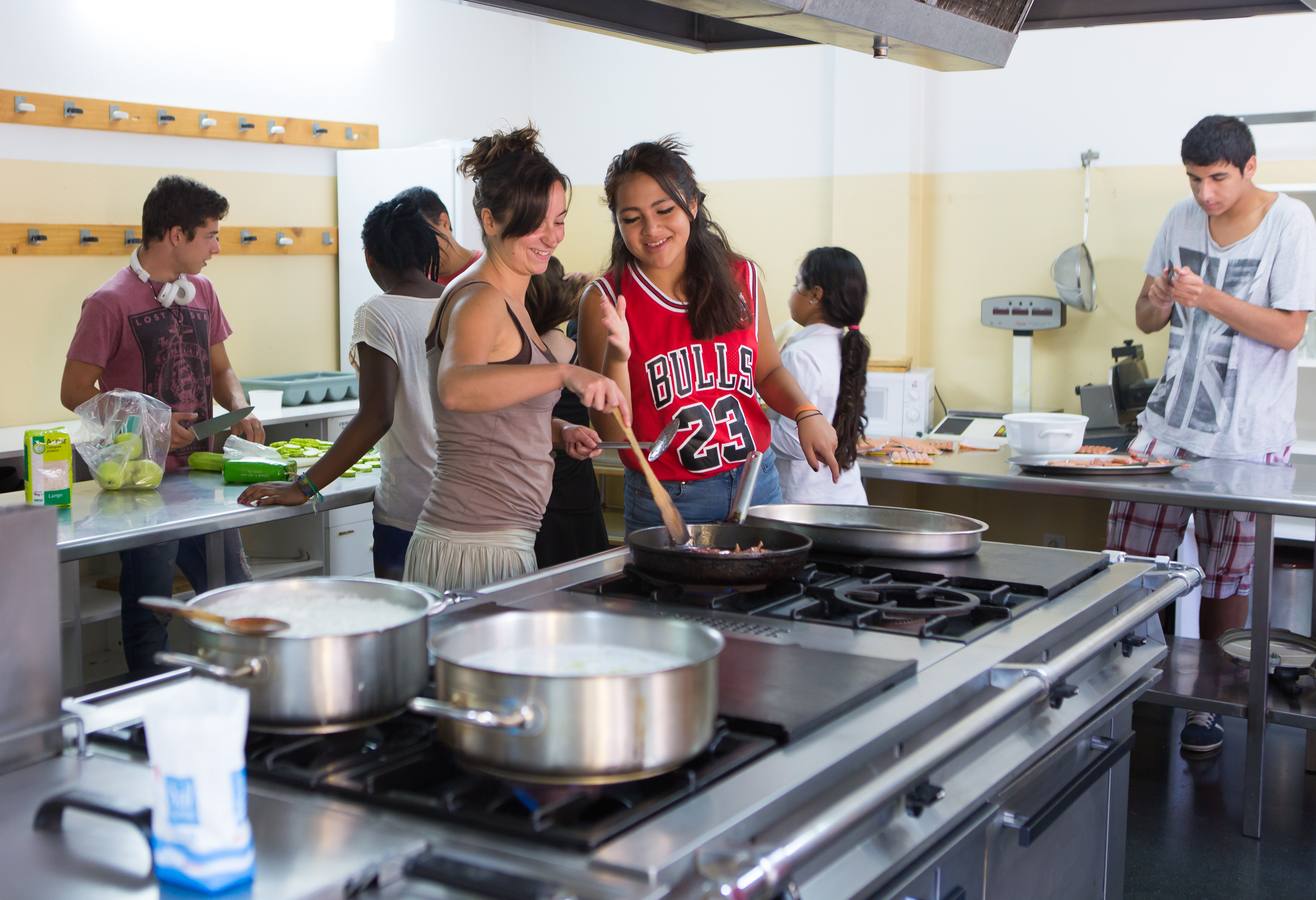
{"x": 576, "y": 729}
{"x": 879, "y": 530}
{"x": 324, "y": 683}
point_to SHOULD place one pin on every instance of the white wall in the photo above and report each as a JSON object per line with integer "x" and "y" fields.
{"x": 422, "y": 70}
{"x": 1130, "y": 91}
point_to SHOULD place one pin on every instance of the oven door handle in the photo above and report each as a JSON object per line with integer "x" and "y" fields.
{"x": 1033, "y": 827}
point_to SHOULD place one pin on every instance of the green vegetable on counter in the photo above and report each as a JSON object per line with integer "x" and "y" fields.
{"x": 252, "y": 471}
{"x": 205, "y": 461}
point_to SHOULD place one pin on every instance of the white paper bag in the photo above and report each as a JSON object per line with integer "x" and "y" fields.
{"x": 201, "y": 837}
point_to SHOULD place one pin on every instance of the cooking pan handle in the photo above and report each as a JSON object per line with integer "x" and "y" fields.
{"x": 442, "y": 602}
{"x": 524, "y": 718}
{"x": 749, "y": 477}
{"x": 250, "y": 667}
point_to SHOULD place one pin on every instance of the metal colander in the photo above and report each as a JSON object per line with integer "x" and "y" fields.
{"x": 1073, "y": 272}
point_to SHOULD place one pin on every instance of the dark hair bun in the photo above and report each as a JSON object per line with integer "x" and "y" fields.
{"x": 499, "y": 147}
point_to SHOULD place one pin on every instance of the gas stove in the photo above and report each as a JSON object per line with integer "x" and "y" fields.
{"x": 959, "y": 600}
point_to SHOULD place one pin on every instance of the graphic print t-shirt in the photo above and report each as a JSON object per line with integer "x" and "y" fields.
{"x": 1224, "y": 394}
{"x": 141, "y": 346}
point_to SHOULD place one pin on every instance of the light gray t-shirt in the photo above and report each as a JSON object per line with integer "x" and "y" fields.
{"x": 395, "y": 326}
{"x": 1224, "y": 394}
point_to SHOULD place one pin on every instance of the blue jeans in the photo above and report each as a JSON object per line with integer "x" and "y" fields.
{"x": 390, "y": 551}
{"x": 149, "y": 572}
{"x": 700, "y": 502}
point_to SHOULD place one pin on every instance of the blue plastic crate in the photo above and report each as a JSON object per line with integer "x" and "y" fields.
{"x": 307, "y": 387}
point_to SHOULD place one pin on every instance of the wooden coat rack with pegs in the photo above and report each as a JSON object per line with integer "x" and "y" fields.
{"x": 26, "y": 239}
{"x": 61, "y": 111}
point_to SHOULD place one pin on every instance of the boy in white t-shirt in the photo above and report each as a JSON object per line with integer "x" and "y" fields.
{"x": 1233, "y": 273}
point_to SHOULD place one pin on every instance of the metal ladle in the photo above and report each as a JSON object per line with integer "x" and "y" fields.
{"x": 255, "y": 626}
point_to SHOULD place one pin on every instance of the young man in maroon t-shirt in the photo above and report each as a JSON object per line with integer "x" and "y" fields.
{"x": 156, "y": 327}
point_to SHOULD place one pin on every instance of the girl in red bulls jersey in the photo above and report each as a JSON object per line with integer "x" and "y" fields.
{"x": 680, "y": 324}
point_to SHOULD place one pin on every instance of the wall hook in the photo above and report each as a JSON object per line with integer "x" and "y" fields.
{"x": 22, "y": 106}
{"x": 163, "y": 117}
{"x": 317, "y": 129}
{"x": 275, "y": 128}
{"x": 351, "y": 134}
{"x": 130, "y": 237}
{"x": 34, "y": 236}
{"x": 244, "y": 125}
{"x": 71, "y": 109}
{"x": 327, "y": 238}
{"x": 118, "y": 115}
{"x": 282, "y": 240}
{"x": 246, "y": 237}
{"x": 86, "y": 237}
{"x": 207, "y": 121}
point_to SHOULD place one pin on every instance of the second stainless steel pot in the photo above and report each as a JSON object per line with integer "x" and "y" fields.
{"x": 323, "y": 683}
{"x": 574, "y": 728}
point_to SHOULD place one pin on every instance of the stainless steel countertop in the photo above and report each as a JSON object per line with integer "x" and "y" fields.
{"x": 1208, "y": 484}
{"x": 186, "y": 504}
{"x": 303, "y": 849}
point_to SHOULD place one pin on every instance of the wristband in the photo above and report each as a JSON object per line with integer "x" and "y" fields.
{"x": 804, "y": 408}
{"x": 307, "y": 487}
{"x": 807, "y": 415}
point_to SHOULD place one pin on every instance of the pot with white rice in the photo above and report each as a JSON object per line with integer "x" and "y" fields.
{"x": 354, "y": 651}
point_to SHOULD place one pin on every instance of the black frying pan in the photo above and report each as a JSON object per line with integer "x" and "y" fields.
{"x": 784, "y": 554}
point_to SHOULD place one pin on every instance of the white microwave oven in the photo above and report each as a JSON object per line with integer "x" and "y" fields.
{"x": 899, "y": 404}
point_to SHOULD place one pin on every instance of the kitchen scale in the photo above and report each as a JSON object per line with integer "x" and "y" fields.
{"x": 1023, "y": 314}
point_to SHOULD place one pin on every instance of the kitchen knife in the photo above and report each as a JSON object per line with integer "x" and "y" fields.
{"x": 202, "y": 430}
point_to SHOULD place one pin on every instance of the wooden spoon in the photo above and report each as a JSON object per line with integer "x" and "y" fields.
{"x": 671, "y": 515}
{"x": 249, "y": 625}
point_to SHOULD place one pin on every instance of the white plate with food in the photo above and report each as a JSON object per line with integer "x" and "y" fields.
{"x": 1096, "y": 464}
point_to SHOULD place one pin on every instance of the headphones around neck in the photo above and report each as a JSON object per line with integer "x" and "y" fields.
{"x": 181, "y": 291}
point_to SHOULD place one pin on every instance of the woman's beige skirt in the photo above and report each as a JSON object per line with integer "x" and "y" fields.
{"x": 451, "y": 560}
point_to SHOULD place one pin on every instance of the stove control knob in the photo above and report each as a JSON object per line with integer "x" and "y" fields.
{"x": 922, "y": 796}
{"x": 1129, "y": 641}
{"x": 1060, "y": 693}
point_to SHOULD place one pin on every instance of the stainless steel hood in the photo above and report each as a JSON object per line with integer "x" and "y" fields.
{"x": 947, "y": 35}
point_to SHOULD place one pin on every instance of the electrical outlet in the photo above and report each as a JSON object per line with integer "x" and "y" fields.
{"x": 1050, "y": 539}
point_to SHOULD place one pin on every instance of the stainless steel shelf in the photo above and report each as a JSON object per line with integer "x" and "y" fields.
{"x": 1198, "y": 675}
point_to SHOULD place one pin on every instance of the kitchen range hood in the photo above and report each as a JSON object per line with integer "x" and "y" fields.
{"x": 946, "y": 35}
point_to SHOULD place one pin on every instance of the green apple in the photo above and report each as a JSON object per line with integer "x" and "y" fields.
{"x": 134, "y": 442}
{"x": 109, "y": 474}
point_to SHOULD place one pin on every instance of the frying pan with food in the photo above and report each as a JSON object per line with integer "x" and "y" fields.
{"x": 711, "y": 555}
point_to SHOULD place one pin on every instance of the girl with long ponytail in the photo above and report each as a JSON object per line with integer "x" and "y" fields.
{"x": 829, "y": 359}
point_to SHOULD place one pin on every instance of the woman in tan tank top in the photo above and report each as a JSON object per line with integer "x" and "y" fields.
{"x": 494, "y": 385}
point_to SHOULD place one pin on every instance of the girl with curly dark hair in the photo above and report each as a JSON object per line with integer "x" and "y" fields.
{"x": 680, "y": 323}
{"x": 829, "y": 360}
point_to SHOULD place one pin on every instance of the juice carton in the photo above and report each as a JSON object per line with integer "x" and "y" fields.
{"x": 47, "y": 467}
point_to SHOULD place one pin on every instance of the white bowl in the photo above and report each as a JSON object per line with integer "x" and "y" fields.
{"x": 1029, "y": 433}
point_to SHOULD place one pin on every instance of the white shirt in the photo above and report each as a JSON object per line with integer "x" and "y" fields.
{"x": 395, "y": 326}
{"x": 813, "y": 357}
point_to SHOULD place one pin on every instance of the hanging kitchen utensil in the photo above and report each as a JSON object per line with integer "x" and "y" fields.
{"x": 1073, "y": 273}
{"x": 249, "y": 625}
{"x": 710, "y": 556}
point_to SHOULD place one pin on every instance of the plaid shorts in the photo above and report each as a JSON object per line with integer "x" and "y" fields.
{"x": 1225, "y": 540}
